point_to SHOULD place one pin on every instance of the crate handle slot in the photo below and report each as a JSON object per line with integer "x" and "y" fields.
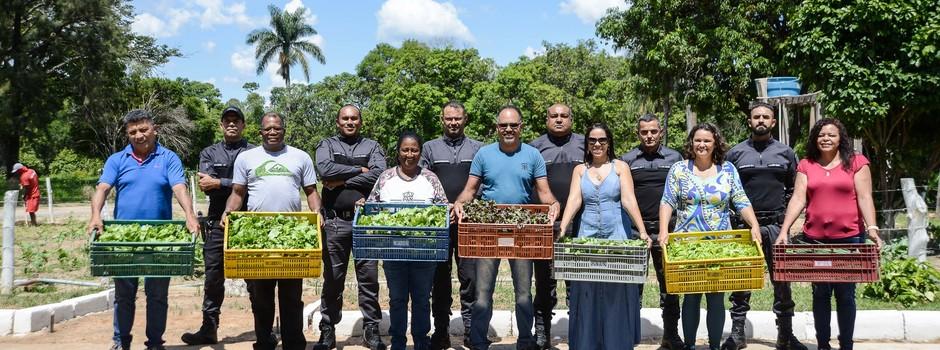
{"x": 505, "y": 241}
{"x": 822, "y": 263}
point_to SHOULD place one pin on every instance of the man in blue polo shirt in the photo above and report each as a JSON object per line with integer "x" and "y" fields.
{"x": 145, "y": 176}
{"x": 508, "y": 171}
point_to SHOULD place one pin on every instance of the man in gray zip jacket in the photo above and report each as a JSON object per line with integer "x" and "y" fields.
{"x": 348, "y": 165}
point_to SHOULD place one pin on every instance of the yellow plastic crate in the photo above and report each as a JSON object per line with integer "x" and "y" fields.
{"x": 274, "y": 263}
{"x": 714, "y": 275}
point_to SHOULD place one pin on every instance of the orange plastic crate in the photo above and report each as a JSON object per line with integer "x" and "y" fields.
{"x": 482, "y": 240}
{"x": 857, "y": 263}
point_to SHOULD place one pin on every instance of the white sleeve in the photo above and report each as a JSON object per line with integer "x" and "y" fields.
{"x": 308, "y": 171}
{"x": 240, "y": 171}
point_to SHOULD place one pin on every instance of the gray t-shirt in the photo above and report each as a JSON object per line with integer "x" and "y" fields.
{"x": 274, "y": 179}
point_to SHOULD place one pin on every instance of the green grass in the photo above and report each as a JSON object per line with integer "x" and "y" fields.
{"x": 41, "y": 294}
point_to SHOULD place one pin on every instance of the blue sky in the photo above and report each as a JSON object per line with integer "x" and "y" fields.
{"x": 211, "y": 33}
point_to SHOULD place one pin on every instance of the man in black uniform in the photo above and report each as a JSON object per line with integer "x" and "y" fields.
{"x": 649, "y": 164}
{"x": 562, "y": 151}
{"x": 767, "y": 169}
{"x": 215, "y": 179}
{"x": 349, "y": 165}
{"x": 449, "y": 157}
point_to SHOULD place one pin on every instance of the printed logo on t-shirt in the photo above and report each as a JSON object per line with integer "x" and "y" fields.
{"x": 408, "y": 196}
{"x": 525, "y": 166}
{"x": 272, "y": 168}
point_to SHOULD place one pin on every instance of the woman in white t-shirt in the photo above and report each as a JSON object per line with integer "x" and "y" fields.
{"x": 407, "y": 182}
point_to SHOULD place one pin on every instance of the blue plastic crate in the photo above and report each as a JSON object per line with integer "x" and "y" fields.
{"x": 399, "y": 243}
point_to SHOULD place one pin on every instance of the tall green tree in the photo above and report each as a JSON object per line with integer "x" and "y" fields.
{"x": 58, "y": 55}
{"x": 702, "y": 54}
{"x": 877, "y": 63}
{"x": 404, "y": 88}
{"x": 288, "y": 40}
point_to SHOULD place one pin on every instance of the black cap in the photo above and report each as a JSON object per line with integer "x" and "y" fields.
{"x": 233, "y": 109}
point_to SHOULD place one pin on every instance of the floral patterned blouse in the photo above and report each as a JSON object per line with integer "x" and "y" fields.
{"x": 391, "y": 187}
{"x": 704, "y": 204}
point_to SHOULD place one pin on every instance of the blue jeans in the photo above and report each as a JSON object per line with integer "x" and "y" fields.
{"x": 714, "y": 317}
{"x": 482, "y": 311}
{"x": 125, "y": 295}
{"x": 414, "y": 279}
{"x": 845, "y": 306}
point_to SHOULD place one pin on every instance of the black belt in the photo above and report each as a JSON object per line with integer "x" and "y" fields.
{"x": 339, "y": 214}
{"x": 769, "y": 218}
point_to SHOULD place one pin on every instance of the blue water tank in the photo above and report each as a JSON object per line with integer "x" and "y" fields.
{"x": 783, "y": 86}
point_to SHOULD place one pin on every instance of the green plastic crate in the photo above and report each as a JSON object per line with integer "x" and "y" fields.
{"x": 141, "y": 259}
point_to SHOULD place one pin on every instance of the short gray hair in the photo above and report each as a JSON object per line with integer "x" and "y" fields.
{"x": 136, "y": 115}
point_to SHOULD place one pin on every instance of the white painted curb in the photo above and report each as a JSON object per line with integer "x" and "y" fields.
{"x": 906, "y": 326}
{"x": 32, "y": 319}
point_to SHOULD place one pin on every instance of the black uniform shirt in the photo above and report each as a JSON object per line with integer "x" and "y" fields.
{"x": 562, "y": 155}
{"x": 218, "y": 161}
{"x": 767, "y": 172}
{"x": 649, "y": 171}
{"x": 449, "y": 159}
{"x": 342, "y": 158}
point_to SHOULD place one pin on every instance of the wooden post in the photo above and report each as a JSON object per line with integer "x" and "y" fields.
{"x": 49, "y": 195}
{"x": 192, "y": 189}
{"x": 936, "y": 210}
{"x": 9, "y": 221}
{"x": 917, "y": 223}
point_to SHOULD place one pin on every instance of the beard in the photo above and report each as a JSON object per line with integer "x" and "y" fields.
{"x": 760, "y": 132}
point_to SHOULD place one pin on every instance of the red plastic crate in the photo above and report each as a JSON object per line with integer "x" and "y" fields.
{"x": 818, "y": 263}
{"x": 481, "y": 240}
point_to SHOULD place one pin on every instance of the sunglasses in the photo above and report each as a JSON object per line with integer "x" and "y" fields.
{"x": 598, "y": 140}
{"x": 512, "y": 126}
{"x": 649, "y": 132}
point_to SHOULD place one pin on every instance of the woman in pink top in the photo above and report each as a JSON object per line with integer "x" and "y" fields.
{"x": 833, "y": 183}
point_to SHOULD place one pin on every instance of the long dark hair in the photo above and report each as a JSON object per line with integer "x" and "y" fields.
{"x": 846, "y": 150}
{"x": 407, "y": 134}
{"x": 588, "y": 158}
{"x": 721, "y": 147}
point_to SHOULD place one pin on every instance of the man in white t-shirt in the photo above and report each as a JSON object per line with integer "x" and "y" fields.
{"x": 272, "y": 176}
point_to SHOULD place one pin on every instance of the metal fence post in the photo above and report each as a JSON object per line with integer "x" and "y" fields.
{"x": 9, "y": 219}
{"x": 49, "y": 195}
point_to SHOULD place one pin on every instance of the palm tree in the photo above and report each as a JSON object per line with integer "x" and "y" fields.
{"x": 287, "y": 39}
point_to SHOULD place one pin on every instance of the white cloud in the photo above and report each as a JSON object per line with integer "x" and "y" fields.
{"x": 209, "y": 45}
{"x": 532, "y": 52}
{"x": 231, "y": 79}
{"x": 210, "y": 81}
{"x": 309, "y": 17}
{"x": 243, "y": 61}
{"x": 147, "y": 24}
{"x": 420, "y": 19}
{"x": 589, "y": 11}
{"x": 215, "y": 12}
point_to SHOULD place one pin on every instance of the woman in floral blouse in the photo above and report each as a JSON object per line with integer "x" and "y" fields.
{"x": 408, "y": 182}
{"x": 703, "y": 190}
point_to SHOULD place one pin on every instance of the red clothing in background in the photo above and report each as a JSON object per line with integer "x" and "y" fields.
{"x": 832, "y": 204}
{"x": 30, "y": 182}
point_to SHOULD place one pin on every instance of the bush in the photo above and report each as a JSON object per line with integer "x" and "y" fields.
{"x": 904, "y": 279}
{"x": 66, "y": 188}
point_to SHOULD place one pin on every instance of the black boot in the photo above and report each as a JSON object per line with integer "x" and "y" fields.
{"x": 327, "y": 338}
{"x": 543, "y": 330}
{"x": 671, "y": 339}
{"x": 785, "y": 338}
{"x": 737, "y": 339}
{"x": 371, "y": 338}
{"x": 440, "y": 339}
{"x": 207, "y": 334}
{"x": 466, "y": 336}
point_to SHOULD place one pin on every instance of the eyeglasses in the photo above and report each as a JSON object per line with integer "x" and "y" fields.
{"x": 649, "y": 132}
{"x": 512, "y": 126}
{"x": 598, "y": 140}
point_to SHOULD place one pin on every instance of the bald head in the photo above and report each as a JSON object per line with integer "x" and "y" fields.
{"x": 558, "y": 120}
